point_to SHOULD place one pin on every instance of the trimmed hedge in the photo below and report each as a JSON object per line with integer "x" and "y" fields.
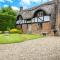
{"x": 7, "y": 22}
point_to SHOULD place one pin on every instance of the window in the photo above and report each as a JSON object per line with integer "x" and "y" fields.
{"x": 18, "y": 22}
{"x": 39, "y": 14}
{"x": 28, "y": 21}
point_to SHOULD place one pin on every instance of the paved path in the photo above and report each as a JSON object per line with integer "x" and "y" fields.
{"x": 47, "y": 48}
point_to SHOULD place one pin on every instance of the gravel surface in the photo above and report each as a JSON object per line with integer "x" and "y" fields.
{"x": 47, "y": 48}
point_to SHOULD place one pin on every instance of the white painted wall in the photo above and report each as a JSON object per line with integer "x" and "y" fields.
{"x": 46, "y": 18}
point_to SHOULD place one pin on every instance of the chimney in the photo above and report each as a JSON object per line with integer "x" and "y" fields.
{"x": 21, "y": 8}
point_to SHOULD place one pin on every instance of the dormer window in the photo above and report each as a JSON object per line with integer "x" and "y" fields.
{"x": 40, "y": 14}
{"x": 19, "y": 20}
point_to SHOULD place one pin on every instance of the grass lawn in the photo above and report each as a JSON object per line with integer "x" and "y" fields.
{"x": 16, "y": 38}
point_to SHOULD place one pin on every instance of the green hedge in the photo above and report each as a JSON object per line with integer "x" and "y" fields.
{"x": 7, "y": 22}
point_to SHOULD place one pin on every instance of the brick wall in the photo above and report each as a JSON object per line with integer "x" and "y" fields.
{"x": 46, "y": 27}
{"x": 24, "y": 27}
{"x": 35, "y": 28}
{"x": 18, "y": 26}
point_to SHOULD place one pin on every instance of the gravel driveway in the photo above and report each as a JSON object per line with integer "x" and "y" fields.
{"x": 47, "y": 48}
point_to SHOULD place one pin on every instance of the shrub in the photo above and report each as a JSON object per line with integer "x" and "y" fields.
{"x": 16, "y": 31}
{"x": 7, "y": 21}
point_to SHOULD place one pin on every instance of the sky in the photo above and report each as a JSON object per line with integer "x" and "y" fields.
{"x": 16, "y": 4}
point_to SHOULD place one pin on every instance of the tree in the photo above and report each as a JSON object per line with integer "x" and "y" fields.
{"x": 8, "y": 11}
{"x": 7, "y": 18}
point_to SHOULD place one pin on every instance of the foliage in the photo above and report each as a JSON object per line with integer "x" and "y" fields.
{"x": 16, "y": 31}
{"x": 7, "y": 18}
{"x": 8, "y": 11}
{"x": 7, "y": 22}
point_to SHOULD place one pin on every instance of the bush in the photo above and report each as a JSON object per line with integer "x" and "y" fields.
{"x": 7, "y": 21}
{"x": 16, "y": 31}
